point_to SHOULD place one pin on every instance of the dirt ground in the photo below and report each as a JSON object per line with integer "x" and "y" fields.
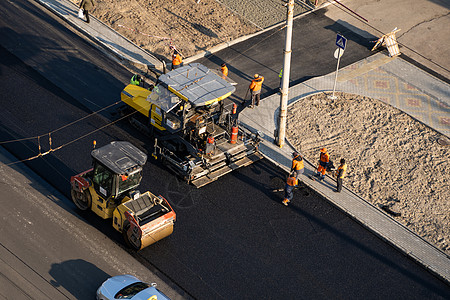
{"x": 392, "y": 159}
{"x": 155, "y": 24}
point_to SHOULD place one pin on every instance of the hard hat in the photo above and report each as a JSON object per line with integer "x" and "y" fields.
{"x": 323, "y": 150}
{"x": 256, "y": 75}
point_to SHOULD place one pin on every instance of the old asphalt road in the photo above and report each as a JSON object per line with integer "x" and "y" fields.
{"x": 232, "y": 239}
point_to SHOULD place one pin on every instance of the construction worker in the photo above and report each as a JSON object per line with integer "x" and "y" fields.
{"x": 323, "y": 163}
{"x": 87, "y": 5}
{"x": 280, "y": 75}
{"x": 176, "y": 60}
{"x": 340, "y": 174}
{"x": 224, "y": 70}
{"x": 297, "y": 164}
{"x": 136, "y": 80}
{"x": 210, "y": 145}
{"x": 291, "y": 182}
{"x": 255, "y": 87}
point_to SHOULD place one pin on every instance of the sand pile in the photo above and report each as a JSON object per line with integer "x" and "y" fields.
{"x": 190, "y": 26}
{"x": 393, "y": 159}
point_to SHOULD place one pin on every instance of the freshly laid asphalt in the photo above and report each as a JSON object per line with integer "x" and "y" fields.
{"x": 250, "y": 50}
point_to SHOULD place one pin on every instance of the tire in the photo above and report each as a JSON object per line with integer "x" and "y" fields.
{"x": 126, "y": 226}
{"x": 82, "y": 200}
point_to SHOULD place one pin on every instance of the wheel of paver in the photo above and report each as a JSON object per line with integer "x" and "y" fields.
{"x": 82, "y": 200}
{"x": 135, "y": 245}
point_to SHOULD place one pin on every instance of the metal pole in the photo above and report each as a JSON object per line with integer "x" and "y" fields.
{"x": 285, "y": 79}
{"x": 337, "y": 69}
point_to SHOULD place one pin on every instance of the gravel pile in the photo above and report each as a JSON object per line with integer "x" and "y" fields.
{"x": 394, "y": 161}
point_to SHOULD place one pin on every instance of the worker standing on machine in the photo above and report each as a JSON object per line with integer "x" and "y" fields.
{"x": 323, "y": 163}
{"x": 297, "y": 164}
{"x": 340, "y": 174}
{"x": 291, "y": 182}
{"x": 255, "y": 88}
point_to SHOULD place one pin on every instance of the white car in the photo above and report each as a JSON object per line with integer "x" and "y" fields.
{"x": 128, "y": 287}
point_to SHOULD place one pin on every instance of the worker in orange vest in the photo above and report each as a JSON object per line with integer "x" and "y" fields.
{"x": 255, "y": 87}
{"x": 291, "y": 182}
{"x": 323, "y": 163}
{"x": 340, "y": 174}
{"x": 224, "y": 70}
{"x": 176, "y": 60}
{"x": 297, "y": 164}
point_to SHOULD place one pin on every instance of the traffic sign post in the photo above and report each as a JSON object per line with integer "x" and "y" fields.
{"x": 341, "y": 42}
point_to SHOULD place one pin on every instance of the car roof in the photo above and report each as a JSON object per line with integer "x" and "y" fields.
{"x": 197, "y": 84}
{"x": 119, "y": 156}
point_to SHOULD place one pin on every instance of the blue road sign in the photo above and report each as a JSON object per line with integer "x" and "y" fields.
{"x": 341, "y": 41}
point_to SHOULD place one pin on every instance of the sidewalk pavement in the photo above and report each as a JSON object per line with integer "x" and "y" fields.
{"x": 394, "y": 81}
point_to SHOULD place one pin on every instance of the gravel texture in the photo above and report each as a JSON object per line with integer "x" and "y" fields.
{"x": 393, "y": 160}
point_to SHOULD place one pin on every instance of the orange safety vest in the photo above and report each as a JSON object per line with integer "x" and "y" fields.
{"x": 297, "y": 164}
{"x": 343, "y": 168}
{"x": 176, "y": 59}
{"x": 224, "y": 70}
{"x": 324, "y": 157}
{"x": 292, "y": 181}
{"x": 256, "y": 84}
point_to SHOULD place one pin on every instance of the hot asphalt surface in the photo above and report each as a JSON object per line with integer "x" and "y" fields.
{"x": 233, "y": 238}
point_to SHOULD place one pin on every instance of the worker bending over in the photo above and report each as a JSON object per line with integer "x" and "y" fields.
{"x": 137, "y": 80}
{"x": 340, "y": 174}
{"x": 291, "y": 182}
{"x": 323, "y": 163}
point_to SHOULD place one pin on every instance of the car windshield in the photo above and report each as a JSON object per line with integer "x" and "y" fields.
{"x": 131, "y": 290}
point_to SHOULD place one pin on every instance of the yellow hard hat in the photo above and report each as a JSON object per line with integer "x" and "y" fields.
{"x": 256, "y": 75}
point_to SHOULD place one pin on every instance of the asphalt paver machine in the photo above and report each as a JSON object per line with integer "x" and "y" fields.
{"x": 194, "y": 134}
{"x": 109, "y": 190}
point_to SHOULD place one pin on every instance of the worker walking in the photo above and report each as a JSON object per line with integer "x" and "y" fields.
{"x": 87, "y": 5}
{"x": 176, "y": 60}
{"x": 323, "y": 163}
{"x": 297, "y": 164}
{"x": 340, "y": 174}
{"x": 224, "y": 69}
{"x": 291, "y": 182}
{"x": 255, "y": 87}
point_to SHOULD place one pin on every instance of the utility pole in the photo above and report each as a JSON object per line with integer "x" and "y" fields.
{"x": 285, "y": 79}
